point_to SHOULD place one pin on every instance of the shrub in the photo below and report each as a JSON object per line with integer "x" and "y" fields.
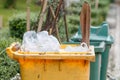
{"x": 71, "y": 29}
{"x": 97, "y": 16}
{"x": 72, "y": 10}
{"x": 17, "y": 24}
{"x": 8, "y": 67}
{"x": 10, "y": 4}
{"x": 73, "y": 19}
{"x": 104, "y": 3}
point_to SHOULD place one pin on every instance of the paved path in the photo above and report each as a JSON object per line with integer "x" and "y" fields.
{"x": 114, "y": 58}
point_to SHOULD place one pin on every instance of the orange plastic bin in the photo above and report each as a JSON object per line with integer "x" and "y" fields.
{"x": 53, "y": 65}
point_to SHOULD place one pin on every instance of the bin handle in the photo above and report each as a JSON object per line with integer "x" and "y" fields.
{"x": 12, "y": 49}
{"x": 102, "y": 45}
{"x": 84, "y": 45}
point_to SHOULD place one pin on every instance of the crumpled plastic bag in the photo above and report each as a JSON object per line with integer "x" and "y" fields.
{"x": 39, "y": 42}
{"x": 82, "y": 48}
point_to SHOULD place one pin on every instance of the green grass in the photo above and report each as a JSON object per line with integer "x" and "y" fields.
{"x": 21, "y": 6}
{"x": 8, "y": 67}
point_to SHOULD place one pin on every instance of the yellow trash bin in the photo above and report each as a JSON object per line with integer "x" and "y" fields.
{"x": 53, "y": 65}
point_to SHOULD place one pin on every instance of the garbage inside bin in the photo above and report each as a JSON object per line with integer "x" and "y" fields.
{"x": 82, "y": 48}
{"x": 41, "y": 41}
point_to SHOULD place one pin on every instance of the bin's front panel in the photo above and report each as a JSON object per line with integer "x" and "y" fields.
{"x": 55, "y": 69}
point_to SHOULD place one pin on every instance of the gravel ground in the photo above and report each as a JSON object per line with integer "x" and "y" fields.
{"x": 114, "y": 20}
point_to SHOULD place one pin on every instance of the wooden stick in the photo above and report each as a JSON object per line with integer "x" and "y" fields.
{"x": 96, "y": 4}
{"x": 50, "y": 31}
{"x": 65, "y": 22}
{"x": 58, "y": 9}
{"x": 57, "y": 13}
{"x": 28, "y": 15}
{"x": 48, "y": 20}
{"x": 55, "y": 20}
{"x": 82, "y": 22}
{"x": 85, "y": 22}
{"x": 41, "y": 16}
{"x": 52, "y": 11}
{"x": 88, "y": 16}
{"x": 57, "y": 33}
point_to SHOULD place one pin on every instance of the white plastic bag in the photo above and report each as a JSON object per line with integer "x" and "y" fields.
{"x": 39, "y": 42}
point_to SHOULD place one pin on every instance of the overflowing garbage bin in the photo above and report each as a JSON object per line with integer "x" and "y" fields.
{"x": 102, "y": 41}
{"x": 59, "y": 65}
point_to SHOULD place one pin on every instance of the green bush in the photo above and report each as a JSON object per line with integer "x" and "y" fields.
{"x": 73, "y": 19}
{"x": 103, "y": 3}
{"x": 4, "y": 33}
{"x": 76, "y": 4}
{"x": 17, "y": 24}
{"x": 10, "y": 4}
{"x": 71, "y": 29}
{"x": 98, "y": 16}
{"x": 73, "y": 10}
{"x": 8, "y": 67}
